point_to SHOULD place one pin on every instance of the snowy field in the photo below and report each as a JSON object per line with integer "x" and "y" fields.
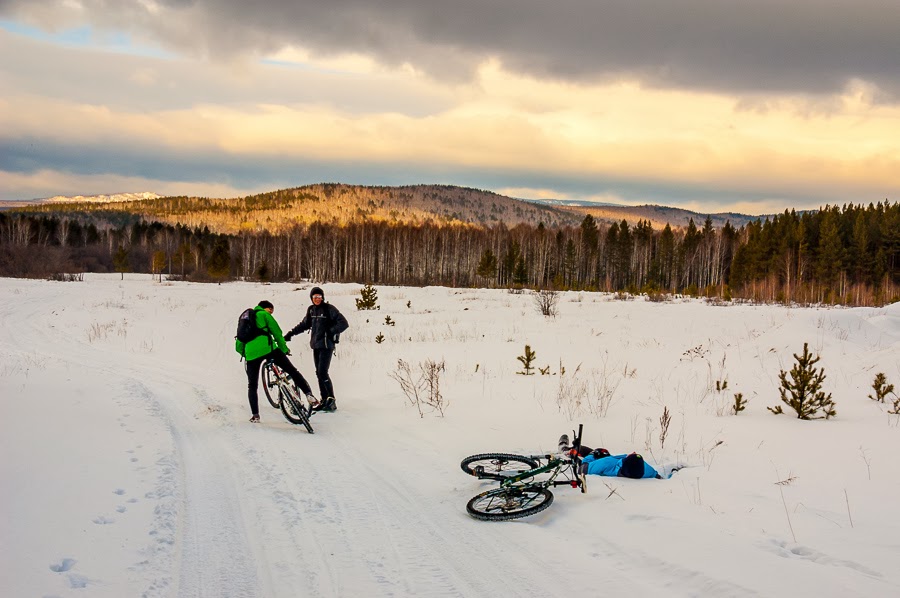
{"x": 129, "y": 467}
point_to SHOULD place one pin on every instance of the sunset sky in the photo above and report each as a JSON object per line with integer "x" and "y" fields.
{"x": 750, "y": 106}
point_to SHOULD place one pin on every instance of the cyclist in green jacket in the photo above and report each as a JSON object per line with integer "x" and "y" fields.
{"x": 268, "y": 345}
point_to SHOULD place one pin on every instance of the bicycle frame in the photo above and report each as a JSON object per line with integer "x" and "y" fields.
{"x": 554, "y": 464}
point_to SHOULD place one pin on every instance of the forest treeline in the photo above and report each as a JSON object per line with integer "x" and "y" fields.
{"x": 848, "y": 255}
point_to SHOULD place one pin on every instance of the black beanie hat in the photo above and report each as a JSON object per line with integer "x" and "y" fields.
{"x": 265, "y": 304}
{"x": 317, "y": 291}
{"x": 632, "y": 466}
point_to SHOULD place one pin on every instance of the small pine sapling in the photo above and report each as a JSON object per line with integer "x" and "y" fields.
{"x": 368, "y": 298}
{"x": 544, "y": 371}
{"x": 881, "y": 388}
{"x": 803, "y": 392}
{"x": 527, "y": 359}
{"x": 388, "y": 321}
{"x": 896, "y": 409}
{"x": 740, "y": 404}
{"x": 379, "y": 339}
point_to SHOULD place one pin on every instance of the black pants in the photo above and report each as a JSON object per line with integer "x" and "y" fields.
{"x": 322, "y": 359}
{"x": 282, "y": 361}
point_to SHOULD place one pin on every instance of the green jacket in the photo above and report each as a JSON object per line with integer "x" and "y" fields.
{"x": 264, "y": 344}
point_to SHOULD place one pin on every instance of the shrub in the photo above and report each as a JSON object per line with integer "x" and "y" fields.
{"x": 545, "y": 301}
{"x": 423, "y": 390}
{"x": 77, "y": 277}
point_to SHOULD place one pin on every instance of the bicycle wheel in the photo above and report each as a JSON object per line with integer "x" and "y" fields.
{"x": 294, "y": 411}
{"x": 496, "y": 466}
{"x": 503, "y": 504}
{"x": 269, "y": 385}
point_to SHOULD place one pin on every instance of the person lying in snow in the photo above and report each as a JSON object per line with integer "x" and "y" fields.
{"x": 601, "y": 462}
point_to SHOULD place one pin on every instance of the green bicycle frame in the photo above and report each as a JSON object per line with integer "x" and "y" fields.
{"x": 554, "y": 463}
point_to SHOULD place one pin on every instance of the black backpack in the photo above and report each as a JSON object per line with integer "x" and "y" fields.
{"x": 247, "y": 330}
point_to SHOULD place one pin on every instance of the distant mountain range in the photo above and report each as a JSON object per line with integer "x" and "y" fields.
{"x": 563, "y": 203}
{"x": 102, "y": 198}
{"x": 657, "y": 215}
{"x": 335, "y": 202}
{"x": 64, "y": 199}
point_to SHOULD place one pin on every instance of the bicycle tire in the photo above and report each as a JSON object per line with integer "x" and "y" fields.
{"x": 298, "y": 416}
{"x": 503, "y": 504}
{"x": 497, "y": 466}
{"x": 269, "y": 386}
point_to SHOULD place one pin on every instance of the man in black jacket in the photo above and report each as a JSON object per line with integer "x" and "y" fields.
{"x": 325, "y": 324}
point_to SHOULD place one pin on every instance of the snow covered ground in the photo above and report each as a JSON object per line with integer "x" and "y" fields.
{"x": 129, "y": 467}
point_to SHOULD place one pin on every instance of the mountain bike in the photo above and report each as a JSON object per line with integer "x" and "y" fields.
{"x": 283, "y": 394}
{"x": 525, "y": 481}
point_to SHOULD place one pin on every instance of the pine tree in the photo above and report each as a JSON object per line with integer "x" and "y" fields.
{"x": 830, "y": 263}
{"x": 881, "y": 388}
{"x": 509, "y": 262}
{"x": 158, "y": 263}
{"x": 368, "y": 298}
{"x": 527, "y": 359}
{"x": 803, "y": 392}
{"x": 262, "y": 271}
{"x": 220, "y": 260}
{"x": 120, "y": 261}
{"x": 520, "y": 273}
{"x": 487, "y": 266}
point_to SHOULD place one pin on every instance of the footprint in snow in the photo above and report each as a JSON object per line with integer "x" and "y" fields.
{"x": 132, "y": 500}
{"x": 62, "y": 566}
{"x": 103, "y": 520}
{"x": 119, "y": 491}
{"x": 121, "y": 509}
{"x": 77, "y": 582}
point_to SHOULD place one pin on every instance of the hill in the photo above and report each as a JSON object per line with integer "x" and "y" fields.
{"x": 657, "y": 215}
{"x": 341, "y": 204}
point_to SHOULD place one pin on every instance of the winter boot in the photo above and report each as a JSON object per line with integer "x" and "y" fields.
{"x": 328, "y": 405}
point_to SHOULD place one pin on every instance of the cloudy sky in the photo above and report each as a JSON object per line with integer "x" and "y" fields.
{"x": 713, "y": 105}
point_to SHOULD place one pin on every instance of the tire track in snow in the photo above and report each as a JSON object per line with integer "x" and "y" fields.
{"x": 375, "y": 536}
{"x": 213, "y": 555}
